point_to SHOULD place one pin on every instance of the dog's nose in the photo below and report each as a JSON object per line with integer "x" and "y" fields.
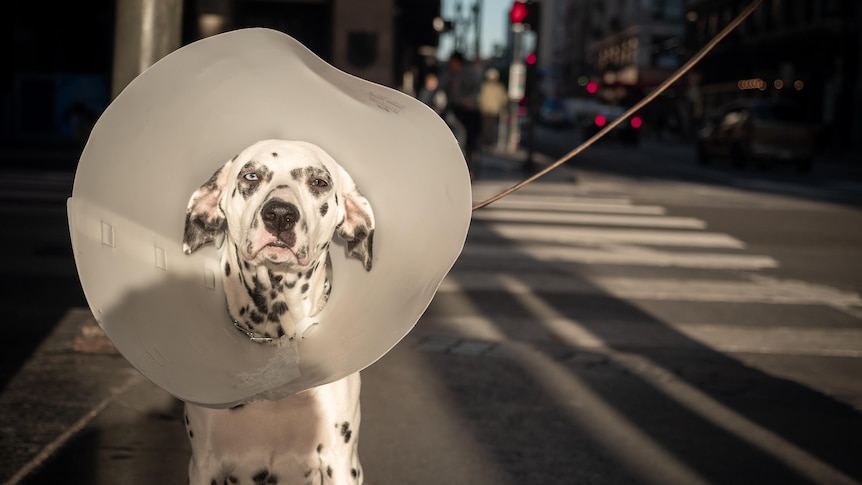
{"x": 279, "y": 216}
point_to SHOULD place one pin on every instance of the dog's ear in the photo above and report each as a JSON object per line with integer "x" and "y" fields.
{"x": 357, "y": 223}
{"x": 205, "y": 220}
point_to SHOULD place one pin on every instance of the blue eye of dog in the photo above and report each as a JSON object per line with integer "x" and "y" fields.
{"x": 252, "y": 177}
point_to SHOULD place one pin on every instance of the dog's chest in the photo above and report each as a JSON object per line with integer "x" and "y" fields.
{"x": 270, "y": 304}
{"x": 307, "y": 438}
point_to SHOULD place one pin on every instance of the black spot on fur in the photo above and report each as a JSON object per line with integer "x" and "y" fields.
{"x": 354, "y": 473}
{"x": 264, "y": 478}
{"x": 345, "y": 431}
{"x": 358, "y": 236}
{"x": 304, "y": 288}
{"x": 259, "y": 301}
{"x": 324, "y": 209}
{"x": 279, "y": 308}
{"x": 200, "y": 229}
{"x": 231, "y": 479}
{"x": 329, "y": 471}
{"x": 320, "y": 448}
{"x": 227, "y": 269}
{"x": 275, "y": 278}
{"x": 273, "y": 294}
{"x": 242, "y": 310}
{"x": 274, "y": 154}
{"x": 290, "y": 285}
{"x": 248, "y": 187}
{"x": 258, "y": 295}
{"x": 256, "y": 317}
{"x": 191, "y": 434}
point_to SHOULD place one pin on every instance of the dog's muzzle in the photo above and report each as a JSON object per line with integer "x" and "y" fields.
{"x": 279, "y": 219}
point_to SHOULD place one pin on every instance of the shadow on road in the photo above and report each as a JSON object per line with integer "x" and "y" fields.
{"x": 556, "y": 411}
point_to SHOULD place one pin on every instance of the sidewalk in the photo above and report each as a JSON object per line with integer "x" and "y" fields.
{"x": 76, "y": 417}
{"x": 79, "y": 411}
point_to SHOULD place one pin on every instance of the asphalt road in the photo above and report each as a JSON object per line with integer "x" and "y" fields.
{"x": 631, "y": 318}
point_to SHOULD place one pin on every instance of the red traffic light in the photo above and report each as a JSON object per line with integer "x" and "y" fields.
{"x": 518, "y": 12}
{"x": 531, "y": 58}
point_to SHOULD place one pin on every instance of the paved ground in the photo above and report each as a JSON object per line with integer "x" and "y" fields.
{"x": 572, "y": 377}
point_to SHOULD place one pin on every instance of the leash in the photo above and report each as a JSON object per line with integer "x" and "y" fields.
{"x": 643, "y": 102}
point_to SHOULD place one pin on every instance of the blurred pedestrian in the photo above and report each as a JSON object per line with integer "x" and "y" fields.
{"x": 461, "y": 84}
{"x": 492, "y": 102}
{"x": 432, "y": 94}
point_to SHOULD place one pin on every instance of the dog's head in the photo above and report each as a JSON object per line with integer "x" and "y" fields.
{"x": 280, "y": 203}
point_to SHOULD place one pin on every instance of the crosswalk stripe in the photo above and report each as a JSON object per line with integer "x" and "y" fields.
{"x": 571, "y": 200}
{"x": 593, "y": 236}
{"x": 757, "y": 290}
{"x": 592, "y": 205}
{"x": 546, "y": 190}
{"x": 595, "y": 219}
{"x": 832, "y": 342}
{"x": 618, "y": 255}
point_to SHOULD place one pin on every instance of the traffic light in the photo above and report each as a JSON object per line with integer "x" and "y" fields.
{"x": 518, "y": 12}
{"x": 526, "y": 13}
{"x": 532, "y": 75}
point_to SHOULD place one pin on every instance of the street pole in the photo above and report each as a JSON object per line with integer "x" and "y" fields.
{"x": 146, "y": 31}
{"x": 477, "y": 11}
{"x": 517, "y": 80}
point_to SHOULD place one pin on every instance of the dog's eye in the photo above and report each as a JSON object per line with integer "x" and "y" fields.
{"x": 319, "y": 183}
{"x": 251, "y": 177}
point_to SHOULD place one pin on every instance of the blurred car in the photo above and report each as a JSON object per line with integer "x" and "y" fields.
{"x": 577, "y": 109}
{"x": 552, "y": 113}
{"x": 761, "y": 130}
{"x": 627, "y": 132}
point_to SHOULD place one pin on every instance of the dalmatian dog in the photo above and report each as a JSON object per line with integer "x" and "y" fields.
{"x": 275, "y": 208}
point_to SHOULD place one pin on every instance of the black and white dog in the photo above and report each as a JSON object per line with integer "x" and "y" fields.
{"x": 278, "y": 204}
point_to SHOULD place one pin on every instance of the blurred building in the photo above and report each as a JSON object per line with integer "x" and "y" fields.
{"x": 566, "y": 36}
{"x": 805, "y": 50}
{"x": 634, "y": 42}
{"x": 63, "y": 57}
{"x": 625, "y": 47}
{"x": 618, "y": 43}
